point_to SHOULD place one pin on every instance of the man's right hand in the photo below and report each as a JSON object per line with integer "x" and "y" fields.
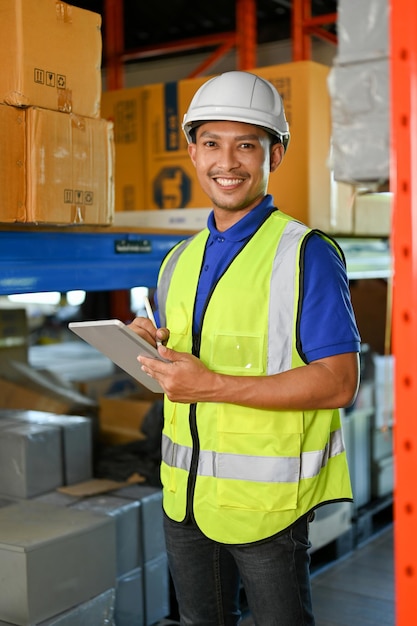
{"x": 143, "y": 326}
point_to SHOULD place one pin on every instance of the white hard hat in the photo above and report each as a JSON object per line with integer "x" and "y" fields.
{"x": 238, "y": 97}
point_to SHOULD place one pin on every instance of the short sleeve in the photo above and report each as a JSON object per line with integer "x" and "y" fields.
{"x": 327, "y": 324}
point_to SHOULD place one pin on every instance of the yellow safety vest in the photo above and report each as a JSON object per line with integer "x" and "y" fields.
{"x": 245, "y": 474}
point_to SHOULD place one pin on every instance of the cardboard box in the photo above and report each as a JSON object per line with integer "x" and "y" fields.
{"x": 38, "y": 395}
{"x": 170, "y": 179}
{"x": 301, "y": 185}
{"x": 51, "y": 559}
{"x": 59, "y": 170}
{"x": 121, "y": 417}
{"x": 12, "y": 164}
{"x": 69, "y": 168}
{"x": 51, "y": 56}
{"x": 14, "y": 337}
{"x": 124, "y": 108}
{"x": 353, "y": 211}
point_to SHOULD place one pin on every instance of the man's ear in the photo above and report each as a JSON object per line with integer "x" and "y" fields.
{"x": 277, "y": 154}
{"x": 191, "y": 151}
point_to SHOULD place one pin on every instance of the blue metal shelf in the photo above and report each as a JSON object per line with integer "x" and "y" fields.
{"x": 54, "y": 260}
{"x": 112, "y": 259}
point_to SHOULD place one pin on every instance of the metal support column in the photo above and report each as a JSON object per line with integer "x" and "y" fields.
{"x": 301, "y": 42}
{"x": 246, "y": 32}
{"x": 114, "y": 40}
{"x": 403, "y": 25}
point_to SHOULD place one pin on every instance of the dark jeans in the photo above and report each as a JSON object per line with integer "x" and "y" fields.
{"x": 275, "y": 576}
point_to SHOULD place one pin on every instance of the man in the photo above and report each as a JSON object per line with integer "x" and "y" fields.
{"x": 262, "y": 348}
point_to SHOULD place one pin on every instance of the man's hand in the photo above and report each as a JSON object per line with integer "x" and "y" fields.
{"x": 143, "y": 326}
{"x": 184, "y": 378}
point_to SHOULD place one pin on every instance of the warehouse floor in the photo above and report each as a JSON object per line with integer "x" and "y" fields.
{"x": 358, "y": 588}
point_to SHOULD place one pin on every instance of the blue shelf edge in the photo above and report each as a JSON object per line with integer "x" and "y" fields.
{"x": 39, "y": 261}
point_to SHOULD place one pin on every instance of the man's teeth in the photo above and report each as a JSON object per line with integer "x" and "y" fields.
{"x": 229, "y": 182}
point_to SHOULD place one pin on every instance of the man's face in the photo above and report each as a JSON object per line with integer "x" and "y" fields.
{"x": 233, "y": 161}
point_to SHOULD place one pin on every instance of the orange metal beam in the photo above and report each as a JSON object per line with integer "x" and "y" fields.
{"x": 244, "y": 38}
{"x": 246, "y": 33}
{"x": 304, "y": 26}
{"x": 114, "y": 41}
{"x": 220, "y": 52}
{"x": 321, "y": 33}
{"x": 403, "y": 181}
{"x": 173, "y": 47}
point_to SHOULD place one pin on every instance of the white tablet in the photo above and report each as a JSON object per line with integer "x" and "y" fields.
{"x": 120, "y": 344}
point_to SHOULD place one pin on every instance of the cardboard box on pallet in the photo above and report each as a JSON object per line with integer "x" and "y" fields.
{"x": 51, "y": 56}
{"x": 59, "y": 169}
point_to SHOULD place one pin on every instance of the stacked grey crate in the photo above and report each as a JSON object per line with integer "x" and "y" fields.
{"x": 153, "y": 570}
{"x": 51, "y": 542}
{"x": 52, "y": 559}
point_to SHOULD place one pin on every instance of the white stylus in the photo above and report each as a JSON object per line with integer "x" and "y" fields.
{"x": 149, "y": 310}
{"x": 151, "y": 316}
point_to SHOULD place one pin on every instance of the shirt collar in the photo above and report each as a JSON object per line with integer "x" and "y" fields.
{"x": 246, "y": 226}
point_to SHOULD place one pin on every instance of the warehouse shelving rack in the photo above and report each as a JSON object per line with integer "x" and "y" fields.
{"x": 113, "y": 258}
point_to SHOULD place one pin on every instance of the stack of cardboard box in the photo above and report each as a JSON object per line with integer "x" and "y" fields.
{"x": 57, "y": 163}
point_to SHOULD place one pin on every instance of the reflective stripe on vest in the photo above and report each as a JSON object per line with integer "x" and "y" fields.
{"x": 282, "y": 297}
{"x": 165, "y": 278}
{"x": 253, "y": 468}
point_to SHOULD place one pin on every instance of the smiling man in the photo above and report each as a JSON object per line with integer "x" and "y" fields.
{"x": 262, "y": 344}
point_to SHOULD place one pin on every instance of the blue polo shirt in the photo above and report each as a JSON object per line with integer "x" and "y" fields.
{"x": 327, "y": 324}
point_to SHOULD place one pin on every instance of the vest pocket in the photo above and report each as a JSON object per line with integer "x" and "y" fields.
{"x": 258, "y": 458}
{"x": 236, "y": 353}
